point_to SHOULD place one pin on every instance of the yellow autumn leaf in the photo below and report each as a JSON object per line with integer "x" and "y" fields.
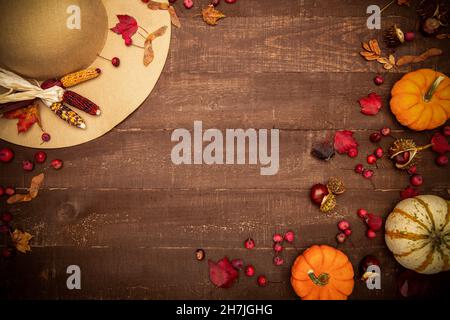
{"x": 211, "y": 15}
{"x": 21, "y": 240}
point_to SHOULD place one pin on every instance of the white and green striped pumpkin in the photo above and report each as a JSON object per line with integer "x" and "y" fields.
{"x": 417, "y": 232}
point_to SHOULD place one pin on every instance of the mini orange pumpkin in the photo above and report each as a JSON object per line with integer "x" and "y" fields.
{"x": 322, "y": 273}
{"x": 421, "y": 99}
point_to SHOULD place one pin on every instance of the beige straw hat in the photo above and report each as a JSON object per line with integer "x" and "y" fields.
{"x": 49, "y": 39}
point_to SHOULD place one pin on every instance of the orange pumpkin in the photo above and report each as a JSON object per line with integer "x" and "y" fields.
{"x": 421, "y": 99}
{"x": 322, "y": 273}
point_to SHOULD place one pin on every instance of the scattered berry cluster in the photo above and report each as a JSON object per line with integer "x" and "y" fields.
{"x": 373, "y": 222}
{"x": 345, "y": 231}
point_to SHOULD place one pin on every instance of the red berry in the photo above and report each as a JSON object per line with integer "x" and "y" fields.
{"x": 362, "y": 213}
{"x": 385, "y": 131}
{"x": 371, "y": 234}
{"x": 128, "y": 42}
{"x": 8, "y": 252}
{"x": 56, "y": 164}
{"x": 2, "y": 191}
{"x": 4, "y": 228}
{"x": 416, "y": 180}
{"x": 343, "y": 225}
{"x": 446, "y": 131}
{"x": 115, "y": 62}
{"x": 262, "y": 280}
{"x": 442, "y": 160}
{"x": 410, "y": 36}
{"x": 6, "y": 155}
{"x": 145, "y": 1}
{"x": 341, "y": 237}
{"x": 249, "y": 270}
{"x": 412, "y": 170}
{"x": 374, "y": 222}
{"x": 289, "y": 236}
{"x": 10, "y": 191}
{"x": 6, "y": 217}
{"x": 352, "y": 153}
{"x": 277, "y": 237}
{"x": 378, "y": 153}
{"x": 367, "y": 173}
{"x": 215, "y": 3}
{"x": 371, "y": 159}
{"x": 375, "y": 137}
{"x": 40, "y": 156}
{"x": 230, "y": 1}
{"x": 278, "y": 261}
{"x": 348, "y": 232}
{"x": 46, "y": 137}
{"x": 359, "y": 168}
{"x": 277, "y": 247}
{"x": 237, "y": 263}
{"x": 249, "y": 243}
{"x": 318, "y": 192}
{"x": 188, "y": 4}
{"x": 27, "y": 165}
{"x": 379, "y": 80}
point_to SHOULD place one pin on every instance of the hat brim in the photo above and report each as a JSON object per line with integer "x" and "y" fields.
{"x": 118, "y": 91}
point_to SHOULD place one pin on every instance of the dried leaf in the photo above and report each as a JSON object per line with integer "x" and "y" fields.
{"x": 371, "y": 104}
{"x": 174, "y": 18}
{"x": 375, "y": 47}
{"x": 405, "y": 60}
{"x": 388, "y": 66}
{"x": 366, "y": 46}
{"x": 21, "y": 240}
{"x": 36, "y": 183}
{"x": 383, "y": 60}
{"x": 148, "y": 47}
{"x": 372, "y": 50}
{"x": 323, "y": 150}
{"x": 344, "y": 141}
{"x": 443, "y": 36}
{"x": 211, "y": 16}
{"x": 127, "y": 26}
{"x": 440, "y": 143}
{"x": 27, "y": 117}
{"x": 391, "y": 59}
{"x": 222, "y": 274}
{"x": 154, "y": 5}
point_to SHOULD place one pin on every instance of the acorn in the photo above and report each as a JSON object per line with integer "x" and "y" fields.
{"x": 394, "y": 36}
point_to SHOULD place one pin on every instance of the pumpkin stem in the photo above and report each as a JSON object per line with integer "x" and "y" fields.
{"x": 321, "y": 280}
{"x": 433, "y": 88}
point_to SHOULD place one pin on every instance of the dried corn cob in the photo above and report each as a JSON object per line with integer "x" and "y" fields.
{"x": 73, "y": 99}
{"x": 75, "y": 78}
{"x": 68, "y": 115}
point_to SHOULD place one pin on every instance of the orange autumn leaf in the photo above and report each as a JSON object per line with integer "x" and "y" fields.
{"x": 211, "y": 16}
{"x": 149, "y": 55}
{"x": 21, "y": 240}
{"x": 27, "y": 117}
{"x": 36, "y": 183}
{"x": 174, "y": 17}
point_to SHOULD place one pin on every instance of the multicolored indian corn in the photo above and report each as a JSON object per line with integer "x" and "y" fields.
{"x": 68, "y": 115}
{"x": 73, "y": 99}
{"x": 75, "y": 78}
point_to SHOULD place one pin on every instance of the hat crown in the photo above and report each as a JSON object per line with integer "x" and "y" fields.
{"x": 49, "y": 38}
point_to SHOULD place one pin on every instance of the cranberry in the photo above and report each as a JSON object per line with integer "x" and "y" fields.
{"x": 367, "y": 173}
{"x": 353, "y": 153}
{"x": 442, "y": 160}
{"x": 362, "y": 213}
{"x": 375, "y": 137}
{"x": 412, "y": 170}
{"x": 10, "y": 191}
{"x": 56, "y": 164}
{"x": 378, "y": 80}
{"x": 27, "y": 165}
{"x": 262, "y": 280}
{"x": 249, "y": 243}
{"x": 2, "y": 191}
{"x": 289, "y": 236}
{"x": 278, "y": 261}
{"x": 277, "y": 237}
{"x": 40, "y": 157}
{"x": 371, "y": 159}
{"x": 215, "y": 3}
{"x": 128, "y": 42}
{"x": 6, "y": 217}
{"x": 446, "y": 131}
{"x": 318, "y": 192}
{"x": 341, "y": 237}
{"x": 343, "y": 225}
{"x": 371, "y": 234}
{"x": 6, "y": 155}
{"x": 237, "y": 263}
{"x": 348, "y": 232}
{"x": 46, "y": 137}
{"x": 416, "y": 180}
{"x": 374, "y": 222}
{"x": 188, "y": 4}
{"x": 385, "y": 131}
{"x": 378, "y": 153}
{"x": 200, "y": 254}
{"x": 402, "y": 158}
{"x": 115, "y": 62}
{"x": 230, "y": 1}
{"x": 359, "y": 168}
{"x": 249, "y": 270}
{"x": 277, "y": 247}
{"x": 410, "y": 36}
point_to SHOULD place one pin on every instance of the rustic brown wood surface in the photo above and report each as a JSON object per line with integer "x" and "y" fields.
{"x": 132, "y": 220}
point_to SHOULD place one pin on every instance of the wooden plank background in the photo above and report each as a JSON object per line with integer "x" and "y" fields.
{"x": 132, "y": 220}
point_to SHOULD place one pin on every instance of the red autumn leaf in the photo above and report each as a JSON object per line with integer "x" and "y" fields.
{"x": 127, "y": 26}
{"x": 409, "y": 192}
{"x": 27, "y": 117}
{"x": 371, "y": 104}
{"x": 440, "y": 143}
{"x": 222, "y": 274}
{"x": 344, "y": 141}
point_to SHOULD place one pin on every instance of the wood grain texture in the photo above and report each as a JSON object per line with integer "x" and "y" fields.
{"x": 132, "y": 220}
